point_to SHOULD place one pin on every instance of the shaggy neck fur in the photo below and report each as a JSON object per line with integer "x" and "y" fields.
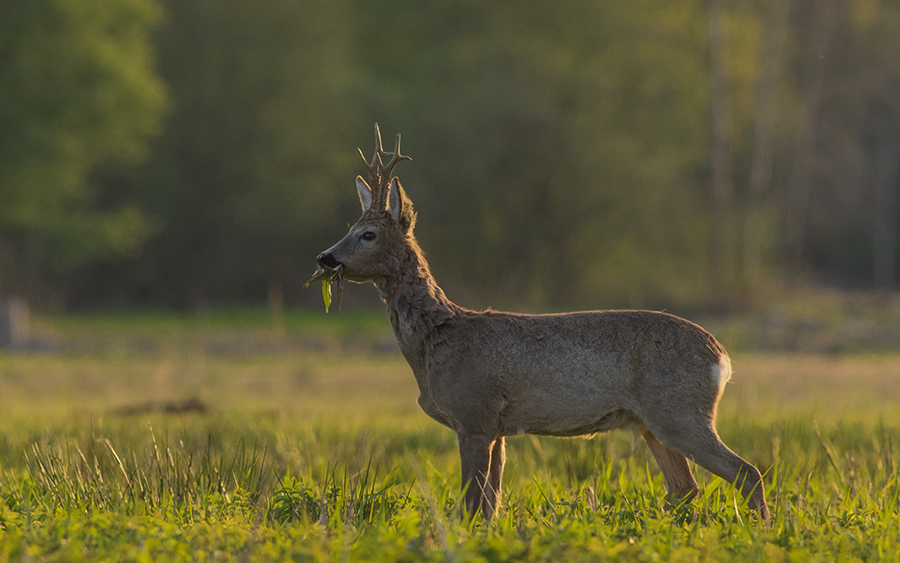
{"x": 416, "y": 305}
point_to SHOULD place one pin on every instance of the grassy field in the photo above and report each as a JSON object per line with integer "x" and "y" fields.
{"x": 236, "y": 436}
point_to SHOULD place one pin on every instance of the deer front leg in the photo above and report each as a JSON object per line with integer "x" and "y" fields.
{"x": 475, "y": 460}
{"x": 495, "y": 476}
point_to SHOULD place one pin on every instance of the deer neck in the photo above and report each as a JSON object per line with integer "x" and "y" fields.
{"x": 416, "y": 305}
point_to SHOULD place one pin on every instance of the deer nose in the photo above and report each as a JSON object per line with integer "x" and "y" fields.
{"x": 327, "y": 260}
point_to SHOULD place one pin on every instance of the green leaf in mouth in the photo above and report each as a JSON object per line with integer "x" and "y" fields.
{"x": 329, "y": 276}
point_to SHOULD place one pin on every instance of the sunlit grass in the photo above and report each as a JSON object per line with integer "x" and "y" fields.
{"x": 310, "y": 453}
{"x": 256, "y": 488}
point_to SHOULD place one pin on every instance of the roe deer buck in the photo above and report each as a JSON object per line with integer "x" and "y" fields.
{"x": 488, "y": 374}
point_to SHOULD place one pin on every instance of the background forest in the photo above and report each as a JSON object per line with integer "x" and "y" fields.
{"x": 696, "y": 154}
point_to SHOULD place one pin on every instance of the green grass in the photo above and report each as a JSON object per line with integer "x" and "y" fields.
{"x": 310, "y": 447}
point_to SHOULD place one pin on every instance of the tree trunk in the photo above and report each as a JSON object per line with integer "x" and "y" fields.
{"x": 802, "y": 165}
{"x": 762, "y": 156}
{"x": 14, "y": 321}
{"x": 720, "y": 106}
{"x": 884, "y": 225}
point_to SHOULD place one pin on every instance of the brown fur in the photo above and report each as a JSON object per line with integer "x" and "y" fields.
{"x": 488, "y": 375}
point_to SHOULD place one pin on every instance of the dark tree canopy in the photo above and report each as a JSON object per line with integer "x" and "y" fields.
{"x": 579, "y": 154}
{"x": 78, "y": 98}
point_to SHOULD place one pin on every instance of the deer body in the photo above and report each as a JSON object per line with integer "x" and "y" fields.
{"x": 488, "y": 375}
{"x": 560, "y": 375}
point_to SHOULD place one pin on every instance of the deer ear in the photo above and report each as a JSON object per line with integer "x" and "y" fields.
{"x": 395, "y": 199}
{"x": 365, "y": 193}
{"x": 399, "y": 206}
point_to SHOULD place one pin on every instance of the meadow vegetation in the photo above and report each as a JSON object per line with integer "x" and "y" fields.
{"x": 230, "y": 436}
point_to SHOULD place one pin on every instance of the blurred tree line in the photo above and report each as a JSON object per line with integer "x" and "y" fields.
{"x": 693, "y": 153}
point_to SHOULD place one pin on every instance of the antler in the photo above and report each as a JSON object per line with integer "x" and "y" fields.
{"x": 379, "y": 173}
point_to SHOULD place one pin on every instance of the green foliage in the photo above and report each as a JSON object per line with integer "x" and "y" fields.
{"x": 329, "y": 276}
{"x": 559, "y": 122}
{"x": 566, "y": 142}
{"x": 242, "y": 180}
{"x": 78, "y": 94}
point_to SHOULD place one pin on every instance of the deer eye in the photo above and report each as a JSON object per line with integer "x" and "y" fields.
{"x": 368, "y": 236}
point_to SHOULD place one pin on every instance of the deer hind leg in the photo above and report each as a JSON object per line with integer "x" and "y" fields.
{"x": 679, "y": 479}
{"x": 475, "y": 454}
{"x": 700, "y": 442}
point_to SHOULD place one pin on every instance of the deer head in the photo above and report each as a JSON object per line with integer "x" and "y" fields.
{"x": 369, "y": 251}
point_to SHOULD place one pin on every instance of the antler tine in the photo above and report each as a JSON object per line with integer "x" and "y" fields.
{"x": 379, "y": 173}
{"x": 378, "y": 148}
{"x": 395, "y": 158}
{"x": 370, "y": 168}
{"x": 374, "y": 168}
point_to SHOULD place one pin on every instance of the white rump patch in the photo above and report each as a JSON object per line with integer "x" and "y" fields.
{"x": 721, "y": 373}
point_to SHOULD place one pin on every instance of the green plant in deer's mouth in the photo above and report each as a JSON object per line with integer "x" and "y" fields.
{"x": 329, "y": 276}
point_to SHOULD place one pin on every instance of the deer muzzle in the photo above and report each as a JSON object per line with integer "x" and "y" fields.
{"x": 327, "y": 260}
